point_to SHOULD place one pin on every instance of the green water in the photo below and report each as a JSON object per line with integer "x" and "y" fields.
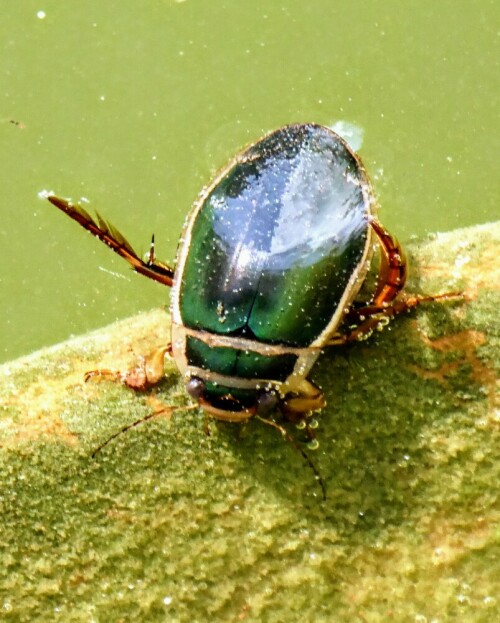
{"x": 135, "y": 105}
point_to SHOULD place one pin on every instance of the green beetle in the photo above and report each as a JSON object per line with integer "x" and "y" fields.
{"x": 270, "y": 261}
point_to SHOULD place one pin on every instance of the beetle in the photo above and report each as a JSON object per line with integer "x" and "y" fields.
{"x": 270, "y": 262}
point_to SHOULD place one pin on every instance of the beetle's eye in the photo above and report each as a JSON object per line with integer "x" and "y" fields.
{"x": 195, "y": 387}
{"x": 267, "y": 401}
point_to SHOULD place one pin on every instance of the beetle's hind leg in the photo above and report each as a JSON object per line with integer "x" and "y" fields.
{"x": 107, "y": 233}
{"x": 393, "y": 273}
{"x": 148, "y": 371}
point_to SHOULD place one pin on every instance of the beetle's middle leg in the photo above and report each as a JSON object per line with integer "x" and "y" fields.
{"x": 392, "y": 277}
{"x": 148, "y": 371}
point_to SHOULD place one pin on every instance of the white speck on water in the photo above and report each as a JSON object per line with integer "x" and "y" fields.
{"x": 113, "y": 274}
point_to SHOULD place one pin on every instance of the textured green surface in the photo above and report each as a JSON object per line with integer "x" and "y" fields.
{"x": 169, "y": 524}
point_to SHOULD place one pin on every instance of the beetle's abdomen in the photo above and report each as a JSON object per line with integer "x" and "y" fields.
{"x": 275, "y": 242}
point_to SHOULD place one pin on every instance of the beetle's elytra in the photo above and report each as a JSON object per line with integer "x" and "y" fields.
{"x": 271, "y": 258}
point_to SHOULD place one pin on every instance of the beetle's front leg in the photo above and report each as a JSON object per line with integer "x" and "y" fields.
{"x": 148, "y": 371}
{"x": 302, "y": 401}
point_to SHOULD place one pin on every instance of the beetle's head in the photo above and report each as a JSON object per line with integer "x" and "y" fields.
{"x": 233, "y": 404}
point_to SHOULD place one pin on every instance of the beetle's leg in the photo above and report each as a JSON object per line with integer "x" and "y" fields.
{"x": 392, "y": 276}
{"x": 393, "y": 273}
{"x": 306, "y": 399}
{"x": 371, "y": 318}
{"x": 148, "y": 372}
{"x": 393, "y": 267}
{"x": 298, "y": 407}
{"x": 106, "y": 232}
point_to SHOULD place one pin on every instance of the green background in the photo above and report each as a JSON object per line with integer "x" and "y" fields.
{"x": 135, "y": 105}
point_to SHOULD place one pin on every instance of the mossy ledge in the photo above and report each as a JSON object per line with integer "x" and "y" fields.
{"x": 169, "y": 523}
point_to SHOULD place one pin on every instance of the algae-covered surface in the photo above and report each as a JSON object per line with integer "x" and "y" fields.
{"x": 179, "y": 521}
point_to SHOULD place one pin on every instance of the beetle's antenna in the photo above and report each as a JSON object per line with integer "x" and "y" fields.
{"x": 150, "y": 416}
{"x": 297, "y": 447}
{"x": 165, "y": 409}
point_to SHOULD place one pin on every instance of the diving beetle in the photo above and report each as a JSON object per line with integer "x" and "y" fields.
{"x": 270, "y": 261}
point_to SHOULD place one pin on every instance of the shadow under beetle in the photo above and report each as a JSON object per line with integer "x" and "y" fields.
{"x": 270, "y": 261}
